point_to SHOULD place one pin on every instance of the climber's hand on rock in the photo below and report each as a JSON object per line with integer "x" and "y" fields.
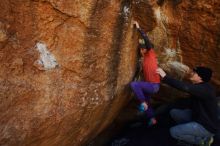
{"x": 161, "y": 72}
{"x": 136, "y": 24}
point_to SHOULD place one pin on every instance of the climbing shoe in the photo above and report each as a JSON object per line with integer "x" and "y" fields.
{"x": 207, "y": 142}
{"x": 141, "y": 108}
{"x": 152, "y": 122}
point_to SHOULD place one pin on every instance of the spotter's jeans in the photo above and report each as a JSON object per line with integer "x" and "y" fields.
{"x": 187, "y": 130}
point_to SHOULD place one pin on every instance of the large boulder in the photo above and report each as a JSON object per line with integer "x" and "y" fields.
{"x": 64, "y": 69}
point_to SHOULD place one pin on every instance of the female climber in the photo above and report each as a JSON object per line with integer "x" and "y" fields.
{"x": 151, "y": 84}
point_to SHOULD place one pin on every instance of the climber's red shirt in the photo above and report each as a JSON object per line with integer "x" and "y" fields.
{"x": 150, "y": 67}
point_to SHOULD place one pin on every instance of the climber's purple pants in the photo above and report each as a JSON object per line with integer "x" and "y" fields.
{"x": 143, "y": 91}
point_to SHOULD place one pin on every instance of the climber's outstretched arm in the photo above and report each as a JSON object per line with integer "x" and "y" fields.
{"x": 144, "y": 36}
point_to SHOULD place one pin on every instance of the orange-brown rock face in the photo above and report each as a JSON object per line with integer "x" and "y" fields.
{"x": 64, "y": 69}
{"x": 65, "y": 65}
{"x": 199, "y": 35}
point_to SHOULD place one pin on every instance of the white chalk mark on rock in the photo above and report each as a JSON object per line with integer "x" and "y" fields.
{"x": 126, "y": 11}
{"x": 47, "y": 60}
{"x": 170, "y": 52}
{"x": 158, "y": 14}
{"x": 179, "y": 66}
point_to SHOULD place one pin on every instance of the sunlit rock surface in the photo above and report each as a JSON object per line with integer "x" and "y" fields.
{"x": 66, "y": 65}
